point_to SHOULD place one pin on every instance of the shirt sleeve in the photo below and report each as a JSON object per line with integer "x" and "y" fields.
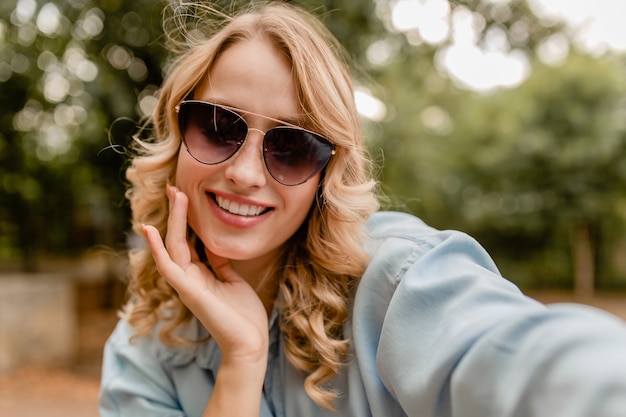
{"x": 456, "y": 339}
{"x": 134, "y": 382}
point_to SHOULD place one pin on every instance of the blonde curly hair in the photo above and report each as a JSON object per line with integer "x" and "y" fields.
{"x": 322, "y": 262}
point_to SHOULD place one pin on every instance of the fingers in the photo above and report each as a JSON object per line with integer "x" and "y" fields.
{"x": 176, "y": 237}
{"x": 173, "y": 255}
{"x": 162, "y": 258}
{"x": 178, "y": 247}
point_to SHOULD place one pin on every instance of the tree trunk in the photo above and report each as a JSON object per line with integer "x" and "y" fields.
{"x": 583, "y": 258}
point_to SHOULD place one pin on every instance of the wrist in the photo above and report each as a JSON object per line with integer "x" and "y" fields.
{"x": 245, "y": 353}
{"x": 238, "y": 390}
{"x": 248, "y": 367}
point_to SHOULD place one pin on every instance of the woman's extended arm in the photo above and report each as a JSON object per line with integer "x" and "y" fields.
{"x": 451, "y": 337}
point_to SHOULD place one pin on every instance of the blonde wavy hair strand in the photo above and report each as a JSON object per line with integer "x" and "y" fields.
{"x": 324, "y": 260}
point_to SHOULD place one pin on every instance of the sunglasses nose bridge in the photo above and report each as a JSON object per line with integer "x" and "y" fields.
{"x": 262, "y": 133}
{"x": 254, "y": 129}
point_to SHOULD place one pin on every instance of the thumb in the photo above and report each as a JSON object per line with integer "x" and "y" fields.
{"x": 222, "y": 268}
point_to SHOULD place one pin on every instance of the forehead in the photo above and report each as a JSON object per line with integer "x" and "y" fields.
{"x": 253, "y": 75}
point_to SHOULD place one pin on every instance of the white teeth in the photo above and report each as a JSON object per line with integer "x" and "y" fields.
{"x": 240, "y": 209}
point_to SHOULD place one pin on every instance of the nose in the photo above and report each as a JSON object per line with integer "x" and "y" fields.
{"x": 246, "y": 168}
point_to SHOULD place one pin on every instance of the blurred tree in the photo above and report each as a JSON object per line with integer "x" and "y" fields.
{"x": 546, "y": 175}
{"x": 535, "y": 171}
{"x": 68, "y": 70}
{"x": 76, "y": 77}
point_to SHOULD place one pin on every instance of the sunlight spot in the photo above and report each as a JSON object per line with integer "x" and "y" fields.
{"x": 51, "y": 139}
{"x": 52, "y": 143}
{"x": 118, "y": 57}
{"x": 20, "y": 63}
{"x": 47, "y": 61}
{"x": 428, "y": 17}
{"x": 78, "y": 64}
{"x": 518, "y": 32}
{"x": 436, "y": 119}
{"x": 49, "y": 19}
{"x": 90, "y": 25}
{"x": 29, "y": 117}
{"x": 482, "y": 68}
{"x": 369, "y": 106}
{"x": 26, "y": 34}
{"x": 3, "y": 31}
{"x": 148, "y": 100}
{"x": 595, "y": 29}
{"x": 484, "y": 71}
{"x": 379, "y": 52}
{"x": 56, "y": 87}
{"x": 86, "y": 70}
{"x": 553, "y": 50}
{"x": 67, "y": 115}
{"x": 138, "y": 70}
{"x": 25, "y": 10}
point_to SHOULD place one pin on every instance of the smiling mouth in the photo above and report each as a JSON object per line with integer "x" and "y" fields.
{"x": 239, "y": 209}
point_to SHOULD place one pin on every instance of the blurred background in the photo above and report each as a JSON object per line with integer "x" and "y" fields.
{"x": 505, "y": 119}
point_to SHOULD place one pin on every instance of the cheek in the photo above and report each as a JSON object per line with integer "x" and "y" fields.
{"x": 186, "y": 170}
{"x": 304, "y": 197}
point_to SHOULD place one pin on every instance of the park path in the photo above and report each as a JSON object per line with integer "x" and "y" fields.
{"x": 36, "y": 392}
{"x": 69, "y": 391}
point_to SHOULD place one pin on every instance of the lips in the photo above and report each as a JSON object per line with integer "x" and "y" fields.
{"x": 239, "y": 209}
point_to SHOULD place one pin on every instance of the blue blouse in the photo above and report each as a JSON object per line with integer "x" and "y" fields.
{"x": 436, "y": 331}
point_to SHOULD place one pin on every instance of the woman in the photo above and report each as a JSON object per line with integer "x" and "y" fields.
{"x": 278, "y": 292}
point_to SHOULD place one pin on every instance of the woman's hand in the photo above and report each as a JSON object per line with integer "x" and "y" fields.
{"x": 220, "y": 298}
{"x": 225, "y": 304}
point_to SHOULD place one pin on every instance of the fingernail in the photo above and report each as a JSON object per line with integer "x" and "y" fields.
{"x": 171, "y": 190}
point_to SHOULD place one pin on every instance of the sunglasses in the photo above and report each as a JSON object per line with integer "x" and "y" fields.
{"x": 213, "y": 133}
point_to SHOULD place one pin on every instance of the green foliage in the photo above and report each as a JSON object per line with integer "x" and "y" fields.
{"x": 68, "y": 71}
{"x": 520, "y": 169}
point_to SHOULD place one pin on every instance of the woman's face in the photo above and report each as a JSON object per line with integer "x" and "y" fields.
{"x": 252, "y": 76}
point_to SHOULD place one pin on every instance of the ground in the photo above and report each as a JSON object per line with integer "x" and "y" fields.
{"x": 34, "y": 392}
{"x": 61, "y": 391}
{"x": 72, "y": 391}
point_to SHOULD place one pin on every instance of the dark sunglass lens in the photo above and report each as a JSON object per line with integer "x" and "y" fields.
{"x": 212, "y": 134}
{"x": 293, "y": 156}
